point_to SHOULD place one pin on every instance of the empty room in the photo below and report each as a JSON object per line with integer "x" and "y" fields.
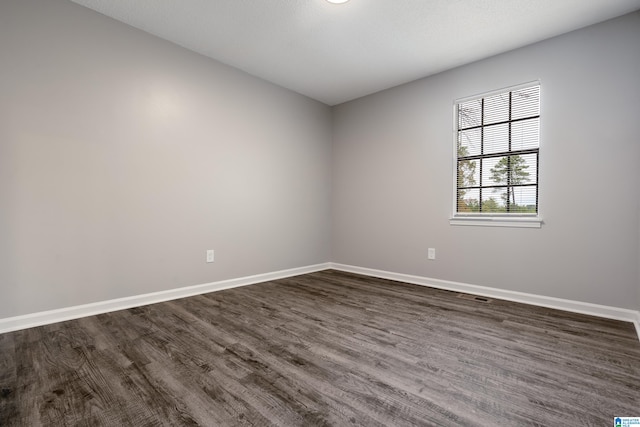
{"x": 314, "y": 213}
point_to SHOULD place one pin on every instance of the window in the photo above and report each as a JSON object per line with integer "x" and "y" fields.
{"x": 497, "y": 158}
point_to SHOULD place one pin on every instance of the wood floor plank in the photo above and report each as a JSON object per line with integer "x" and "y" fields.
{"x": 8, "y": 376}
{"x": 323, "y": 349}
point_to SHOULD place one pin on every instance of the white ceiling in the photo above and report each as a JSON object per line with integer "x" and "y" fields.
{"x": 335, "y": 53}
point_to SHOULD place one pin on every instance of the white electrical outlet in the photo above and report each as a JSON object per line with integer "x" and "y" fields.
{"x": 209, "y": 255}
{"x": 431, "y": 253}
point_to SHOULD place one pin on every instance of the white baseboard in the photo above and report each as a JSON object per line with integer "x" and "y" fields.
{"x": 75, "y": 312}
{"x": 608, "y": 312}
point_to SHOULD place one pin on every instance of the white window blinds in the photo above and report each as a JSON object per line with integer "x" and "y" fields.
{"x": 497, "y": 153}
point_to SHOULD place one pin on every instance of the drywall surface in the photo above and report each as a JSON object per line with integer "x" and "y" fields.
{"x": 124, "y": 157}
{"x": 393, "y": 173}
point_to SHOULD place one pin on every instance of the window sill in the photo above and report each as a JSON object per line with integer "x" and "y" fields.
{"x": 498, "y": 221}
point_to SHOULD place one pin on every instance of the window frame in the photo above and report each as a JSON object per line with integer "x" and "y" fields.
{"x": 493, "y": 219}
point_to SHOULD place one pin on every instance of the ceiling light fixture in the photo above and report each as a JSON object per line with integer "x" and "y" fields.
{"x": 337, "y": 1}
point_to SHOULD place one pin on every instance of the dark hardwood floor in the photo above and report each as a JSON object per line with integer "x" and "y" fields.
{"x": 328, "y": 348}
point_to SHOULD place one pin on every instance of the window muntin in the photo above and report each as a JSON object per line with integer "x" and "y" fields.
{"x": 497, "y": 153}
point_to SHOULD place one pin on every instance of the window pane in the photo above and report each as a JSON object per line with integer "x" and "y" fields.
{"x": 509, "y": 170}
{"x": 496, "y": 138}
{"x": 496, "y": 108}
{"x": 525, "y": 199}
{"x": 520, "y": 199}
{"x": 469, "y": 114}
{"x": 525, "y": 102}
{"x": 469, "y": 142}
{"x": 493, "y": 200}
{"x": 525, "y": 169}
{"x": 468, "y": 173}
{"x": 468, "y": 200}
{"x": 494, "y": 171}
{"x": 525, "y": 134}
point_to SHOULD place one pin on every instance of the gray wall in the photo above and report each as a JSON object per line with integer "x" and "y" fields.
{"x": 124, "y": 157}
{"x": 393, "y": 171}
